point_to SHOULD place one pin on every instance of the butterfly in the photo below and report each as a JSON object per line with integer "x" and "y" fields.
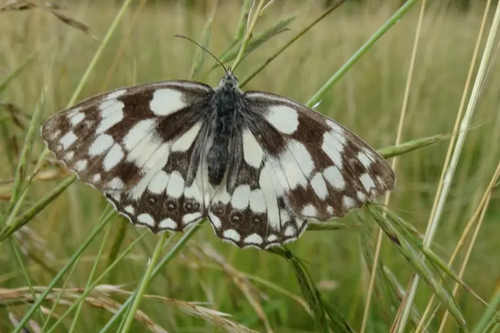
{"x": 256, "y": 164}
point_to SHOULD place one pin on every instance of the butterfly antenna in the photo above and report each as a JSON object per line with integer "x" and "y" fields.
{"x": 204, "y": 49}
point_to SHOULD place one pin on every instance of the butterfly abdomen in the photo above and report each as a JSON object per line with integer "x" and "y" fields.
{"x": 225, "y": 103}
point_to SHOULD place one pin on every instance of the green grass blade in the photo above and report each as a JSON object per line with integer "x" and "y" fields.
{"x": 18, "y": 70}
{"x": 290, "y": 42}
{"x": 257, "y": 40}
{"x": 411, "y": 145}
{"x": 489, "y": 316}
{"x": 98, "y": 53}
{"x": 311, "y": 295}
{"x": 145, "y": 282}
{"x": 385, "y": 298}
{"x": 337, "y": 321}
{"x": 89, "y": 280}
{"x": 161, "y": 266}
{"x": 22, "y": 267}
{"x": 28, "y": 215}
{"x": 248, "y": 34}
{"x": 368, "y": 45}
{"x": 118, "y": 240}
{"x": 24, "y": 158}
{"x": 429, "y": 254}
{"x": 314, "y": 226}
{"x": 88, "y": 290}
{"x": 63, "y": 271}
{"x": 205, "y": 38}
{"x": 242, "y": 22}
{"x": 419, "y": 265}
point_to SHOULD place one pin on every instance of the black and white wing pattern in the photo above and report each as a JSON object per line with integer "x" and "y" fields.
{"x": 258, "y": 165}
{"x": 142, "y": 147}
{"x": 291, "y": 164}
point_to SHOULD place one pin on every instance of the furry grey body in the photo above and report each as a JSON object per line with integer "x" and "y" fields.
{"x": 228, "y": 105}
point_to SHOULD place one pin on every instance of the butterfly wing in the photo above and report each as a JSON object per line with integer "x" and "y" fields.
{"x": 292, "y": 164}
{"x": 138, "y": 146}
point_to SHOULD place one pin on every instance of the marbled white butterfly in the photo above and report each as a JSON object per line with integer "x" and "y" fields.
{"x": 258, "y": 165}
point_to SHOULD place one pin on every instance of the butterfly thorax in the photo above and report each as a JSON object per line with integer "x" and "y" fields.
{"x": 227, "y": 102}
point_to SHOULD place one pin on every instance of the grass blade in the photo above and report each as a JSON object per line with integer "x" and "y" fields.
{"x": 489, "y": 316}
{"x": 27, "y": 216}
{"x": 409, "y": 146}
{"x": 18, "y": 70}
{"x": 368, "y": 45}
{"x": 168, "y": 257}
{"x": 419, "y": 265}
{"x": 63, "y": 271}
{"x": 291, "y": 41}
{"x": 145, "y": 282}
{"x": 324, "y": 314}
{"x": 22, "y": 165}
{"x": 205, "y": 38}
{"x": 88, "y": 290}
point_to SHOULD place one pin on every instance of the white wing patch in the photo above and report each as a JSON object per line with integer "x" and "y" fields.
{"x": 111, "y": 113}
{"x": 101, "y": 145}
{"x": 186, "y": 140}
{"x": 283, "y": 118}
{"x": 252, "y": 152}
{"x": 166, "y": 102}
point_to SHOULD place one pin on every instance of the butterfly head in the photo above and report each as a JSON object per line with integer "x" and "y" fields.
{"x": 228, "y": 81}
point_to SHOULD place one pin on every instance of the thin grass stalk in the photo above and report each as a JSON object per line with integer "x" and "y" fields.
{"x": 465, "y": 123}
{"x": 161, "y": 266}
{"x": 25, "y": 155}
{"x": 89, "y": 280}
{"x": 408, "y": 146}
{"x": 242, "y": 22}
{"x": 402, "y": 118}
{"x": 118, "y": 240}
{"x": 90, "y": 68}
{"x": 60, "y": 295}
{"x": 88, "y": 290}
{"x": 455, "y": 129}
{"x": 30, "y": 213}
{"x": 290, "y": 42}
{"x": 466, "y": 260}
{"x": 25, "y": 274}
{"x": 145, "y": 282}
{"x": 205, "y": 39}
{"x": 117, "y": 60}
{"x": 63, "y": 271}
{"x": 18, "y": 70}
{"x": 475, "y": 217}
{"x": 408, "y": 251}
{"x": 489, "y": 315}
{"x": 17, "y": 196}
{"x": 14, "y": 206}
{"x": 248, "y": 34}
{"x": 479, "y": 216}
{"x": 356, "y": 56}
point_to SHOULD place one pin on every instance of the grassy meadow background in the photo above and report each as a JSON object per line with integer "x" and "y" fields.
{"x": 367, "y": 100}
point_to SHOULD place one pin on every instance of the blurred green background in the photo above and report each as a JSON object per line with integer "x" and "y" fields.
{"x": 367, "y": 100}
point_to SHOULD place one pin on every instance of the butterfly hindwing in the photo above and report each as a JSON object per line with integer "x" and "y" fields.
{"x": 137, "y": 145}
{"x": 249, "y": 208}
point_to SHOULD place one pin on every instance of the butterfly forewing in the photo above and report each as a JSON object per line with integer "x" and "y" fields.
{"x": 138, "y": 146}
